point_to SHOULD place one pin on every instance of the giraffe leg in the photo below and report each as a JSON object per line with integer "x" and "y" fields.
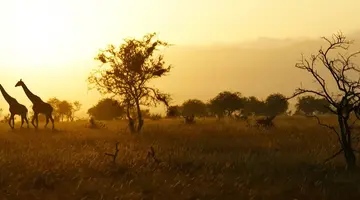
{"x": 47, "y": 121}
{"x": 37, "y": 120}
{"x": 13, "y": 121}
{"x": 33, "y": 119}
{"x": 10, "y": 119}
{"x": 26, "y": 120}
{"x": 52, "y": 121}
{"x": 22, "y": 121}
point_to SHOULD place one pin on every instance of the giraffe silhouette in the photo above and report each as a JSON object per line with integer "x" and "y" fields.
{"x": 39, "y": 106}
{"x": 15, "y": 108}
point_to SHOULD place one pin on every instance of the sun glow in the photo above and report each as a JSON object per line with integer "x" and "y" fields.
{"x": 49, "y": 33}
{"x": 37, "y": 32}
{"x": 51, "y": 44}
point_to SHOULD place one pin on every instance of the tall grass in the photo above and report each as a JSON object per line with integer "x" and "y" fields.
{"x": 207, "y": 160}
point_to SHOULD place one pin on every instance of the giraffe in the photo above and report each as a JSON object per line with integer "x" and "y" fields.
{"x": 15, "y": 108}
{"x": 39, "y": 106}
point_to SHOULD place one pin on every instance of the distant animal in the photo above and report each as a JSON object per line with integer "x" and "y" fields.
{"x": 39, "y": 106}
{"x": 266, "y": 122}
{"x": 15, "y": 108}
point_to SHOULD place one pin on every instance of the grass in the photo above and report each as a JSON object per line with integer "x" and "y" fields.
{"x": 207, "y": 160}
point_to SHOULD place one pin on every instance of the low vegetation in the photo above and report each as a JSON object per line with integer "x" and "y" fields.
{"x": 172, "y": 160}
{"x": 230, "y": 147}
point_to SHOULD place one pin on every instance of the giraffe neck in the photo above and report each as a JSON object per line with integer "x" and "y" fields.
{"x": 7, "y": 97}
{"x": 33, "y": 98}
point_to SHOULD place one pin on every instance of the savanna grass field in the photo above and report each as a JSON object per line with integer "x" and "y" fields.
{"x": 207, "y": 160}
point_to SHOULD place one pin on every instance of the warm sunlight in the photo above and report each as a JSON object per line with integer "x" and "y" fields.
{"x": 46, "y": 33}
{"x": 50, "y": 41}
{"x": 251, "y": 99}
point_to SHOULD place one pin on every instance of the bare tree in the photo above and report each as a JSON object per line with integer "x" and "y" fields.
{"x": 344, "y": 98}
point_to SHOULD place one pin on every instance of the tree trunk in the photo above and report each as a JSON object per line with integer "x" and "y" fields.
{"x": 349, "y": 152}
{"x": 140, "y": 119}
{"x": 350, "y": 158}
{"x": 131, "y": 120}
{"x": 346, "y": 143}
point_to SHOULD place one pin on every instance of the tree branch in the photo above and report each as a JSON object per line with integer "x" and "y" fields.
{"x": 306, "y": 65}
{"x": 327, "y": 126}
{"x": 115, "y": 154}
{"x": 333, "y": 156}
{"x": 151, "y": 154}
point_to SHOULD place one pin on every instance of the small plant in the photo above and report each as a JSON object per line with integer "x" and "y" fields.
{"x": 151, "y": 155}
{"x": 6, "y": 118}
{"x": 115, "y": 154}
{"x": 95, "y": 125}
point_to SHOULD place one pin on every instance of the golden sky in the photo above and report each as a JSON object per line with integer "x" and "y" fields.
{"x": 50, "y": 44}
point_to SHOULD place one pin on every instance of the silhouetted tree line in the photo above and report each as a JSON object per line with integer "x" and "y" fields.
{"x": 111, "y": 109}
{"x": 63, "y": 110}
{"x": 224, "y": 104}
{"x": 233, "y": 103}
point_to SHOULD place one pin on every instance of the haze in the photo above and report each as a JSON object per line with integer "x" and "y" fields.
{"x": 238, "y": 45}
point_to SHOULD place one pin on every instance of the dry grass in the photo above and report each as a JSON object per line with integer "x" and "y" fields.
{"x": 207, "y": 160}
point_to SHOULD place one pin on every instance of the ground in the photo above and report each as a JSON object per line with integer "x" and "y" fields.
{"x": 207, "y": 160}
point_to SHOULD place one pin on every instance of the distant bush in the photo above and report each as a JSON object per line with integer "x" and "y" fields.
{"x": 107, "y": 109}
{"x": 155, "y": 116}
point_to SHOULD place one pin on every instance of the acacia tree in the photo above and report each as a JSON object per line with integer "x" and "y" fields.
{"x": 276, "y": 104}
{"x": 254, "y": 106}
{"x": 309, "y": 105}
{"x": 173, "y": 111}
{"x": 107, "y": 109}
{"x": 194, "y": 107}
{"x": 54, "y": 102}
{"x": 76, "y": 106}
{"x": 344, "y": 98}
{"x": 226, "y": 103}
{"x": 64, "y": 109}
{"x": 125, "y": 72}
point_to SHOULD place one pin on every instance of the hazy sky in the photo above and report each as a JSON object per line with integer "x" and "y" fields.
{"x": 51, "y": 43}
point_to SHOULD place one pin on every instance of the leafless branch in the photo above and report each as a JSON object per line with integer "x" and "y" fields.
{"x": 333, "y": 156}
{"x": 327, "y": 126}
{"x": 115, "y": 154}
{"x": 300, "y": 91}
{"x": 354, "y": 122}
{"x": 151, "y": 154}
{"x": 310, "y": 67}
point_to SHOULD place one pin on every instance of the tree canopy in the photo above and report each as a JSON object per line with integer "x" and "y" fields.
{"x": 126, "y": 70}
{"x": 194, "y": 107}
{"x": 107, "y": 109}
{"x": 173, "y": 111}
{"x": 225, "y": 103}
{"x": 64, "y": 109}
{"x": 253, "y": 106}
{"x": 276, "y": 104}
{"x": 310, "y": 105}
